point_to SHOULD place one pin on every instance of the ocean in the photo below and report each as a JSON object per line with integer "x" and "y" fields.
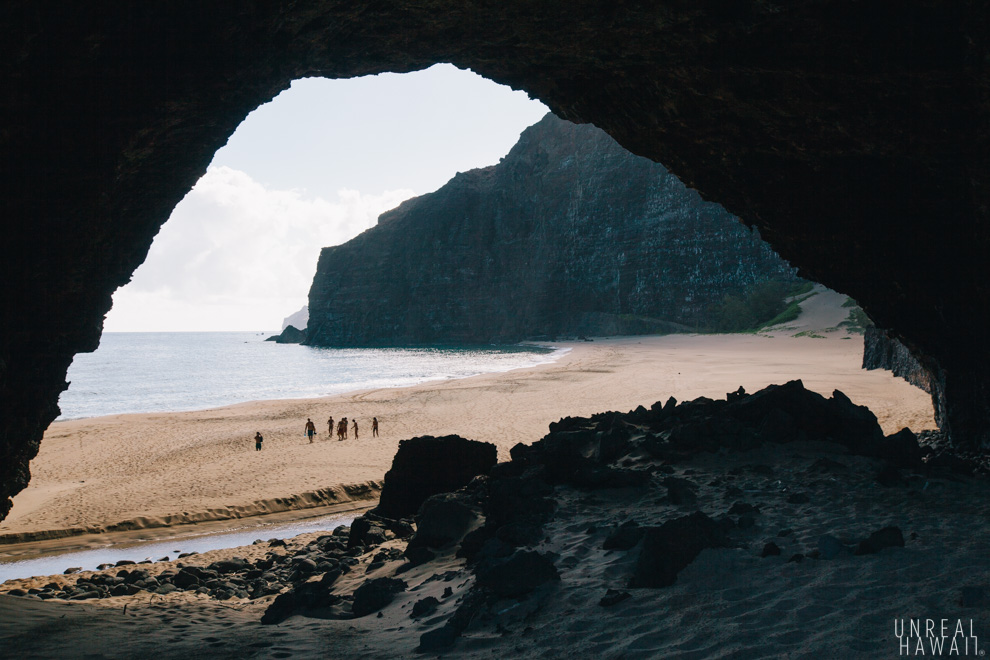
{"x": 134, "y": 372}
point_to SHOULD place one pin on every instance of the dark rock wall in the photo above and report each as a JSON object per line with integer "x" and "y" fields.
{"x": 880, "y": 351}
{"x": 854, "y": 134}
{"x": 568, "y": 234}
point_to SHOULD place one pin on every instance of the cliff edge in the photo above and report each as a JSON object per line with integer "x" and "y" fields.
{"x": 569, "y": 234}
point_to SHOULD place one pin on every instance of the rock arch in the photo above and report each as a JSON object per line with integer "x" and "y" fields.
{"x": 854, "y": 134}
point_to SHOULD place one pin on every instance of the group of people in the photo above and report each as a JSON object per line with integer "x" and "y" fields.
{"x": 340, "y": 428}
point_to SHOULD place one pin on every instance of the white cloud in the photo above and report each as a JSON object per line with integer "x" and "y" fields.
{"x": 237, "y": 255}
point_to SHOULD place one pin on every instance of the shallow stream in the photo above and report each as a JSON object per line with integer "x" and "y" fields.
{"x": 140, "y": 550}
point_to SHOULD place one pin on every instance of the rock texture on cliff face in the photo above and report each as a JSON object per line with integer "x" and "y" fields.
{"x": 880, "y": 351}
{"x": 854, "y": 135}
{"x": 568, "y": 234}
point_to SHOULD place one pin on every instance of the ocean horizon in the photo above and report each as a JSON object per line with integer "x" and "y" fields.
{"x": 143, "y": 372}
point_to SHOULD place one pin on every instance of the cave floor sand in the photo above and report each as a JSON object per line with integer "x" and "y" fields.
{"x": 728, "y": 603}
{"x": 149, "y": 470}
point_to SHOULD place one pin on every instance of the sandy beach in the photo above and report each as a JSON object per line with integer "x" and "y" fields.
{"x": 152, "y": 470}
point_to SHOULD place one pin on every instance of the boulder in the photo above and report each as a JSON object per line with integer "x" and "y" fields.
{"x": 771, "y": 549}
{"x": 426, "y": 466}
{"x": 304, "y": 598}
{"x": 888, "y": 537}
{"x": 667, "y": 549}
{"x": 443, "y": 519}
{"x": 424, "y": 607}
{"x": 375, "y": 594}
{"x": 518, "y": 574}
{"x": 365, "y": 531}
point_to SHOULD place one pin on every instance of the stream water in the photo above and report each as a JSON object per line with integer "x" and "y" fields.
{"x": 88, "y": 559}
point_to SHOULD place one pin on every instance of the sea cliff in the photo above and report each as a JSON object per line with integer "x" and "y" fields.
{"x": 568, "y": 234}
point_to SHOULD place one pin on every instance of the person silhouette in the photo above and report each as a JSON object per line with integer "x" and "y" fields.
{"x": 310, "y": 429}
{"x": 374, "y": 427}
{"x": 257, "y": 441}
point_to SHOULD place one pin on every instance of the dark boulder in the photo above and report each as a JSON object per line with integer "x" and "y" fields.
{"x": 424, "y": 607}
{"x": 900, "y": 449}
{"x": 443, "y": 519}
{"x": 888, "y": 537}
{"x": 305, "y": 598}
{"x": 375, "y": 594}
{"x": 232, "y": 565}
{"x": 667, "y": 549}
{"x": 518, "y": 574}
{"x": 426, "y": 466}
{"x": 365, "y": 531}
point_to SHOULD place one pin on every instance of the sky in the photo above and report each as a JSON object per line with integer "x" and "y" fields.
{"x": 312, "y": 168}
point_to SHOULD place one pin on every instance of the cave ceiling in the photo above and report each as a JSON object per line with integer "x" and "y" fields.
{"x": 853, "y": 134}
